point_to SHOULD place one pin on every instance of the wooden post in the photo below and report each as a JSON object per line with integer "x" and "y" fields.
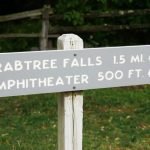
{"x": 70, "y": 105}
{"x": 45, "y": 28}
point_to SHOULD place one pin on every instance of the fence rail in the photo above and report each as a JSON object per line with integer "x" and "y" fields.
{"x": 55, "y": 31}
{"x": 26, "y": 35}
{"x": 96, "y": 28}
{"x": 47, "y": 16}
{"x": 107, "y": 14}
{"x": 26, "y": 14}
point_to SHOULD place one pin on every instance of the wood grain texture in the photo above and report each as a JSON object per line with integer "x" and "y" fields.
{"x": 70, "y": 105}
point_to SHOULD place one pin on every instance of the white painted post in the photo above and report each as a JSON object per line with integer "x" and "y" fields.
{"x": 70, "y": 105}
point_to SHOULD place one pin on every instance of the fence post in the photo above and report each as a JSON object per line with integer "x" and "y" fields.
{"x": 70, "y": 105}
{"x": 45, "y": 28}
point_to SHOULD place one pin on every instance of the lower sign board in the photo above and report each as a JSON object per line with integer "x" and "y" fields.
{"x": 25, "y": 73}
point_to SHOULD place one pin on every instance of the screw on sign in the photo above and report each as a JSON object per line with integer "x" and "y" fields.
{"x": 75, "y": 69}
{"x": 69, "y": 70}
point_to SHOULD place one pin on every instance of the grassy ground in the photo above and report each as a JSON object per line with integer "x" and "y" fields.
{"x": 114, "y": 119}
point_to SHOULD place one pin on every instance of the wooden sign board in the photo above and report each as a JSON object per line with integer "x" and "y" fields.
{"x": 37, "y": 72}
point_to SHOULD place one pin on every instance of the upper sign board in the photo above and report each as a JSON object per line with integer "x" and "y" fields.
{"x": 25, "y": 73}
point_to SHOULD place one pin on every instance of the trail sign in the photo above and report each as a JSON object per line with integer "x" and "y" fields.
{"x": 23, "y": 73}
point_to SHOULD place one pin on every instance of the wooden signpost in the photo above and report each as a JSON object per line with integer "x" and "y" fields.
{"x": 69, "y": 70}
{"x": 65, "y": 70}
{"x": 70, "y": 104}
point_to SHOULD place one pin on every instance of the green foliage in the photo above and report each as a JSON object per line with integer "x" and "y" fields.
{"x": 19, "y": 44}
{"x": 75, "y": 17}
{"x": 113, "y": 118}
{"x": 73, "y": 12}
{"x": 74, "y": 9}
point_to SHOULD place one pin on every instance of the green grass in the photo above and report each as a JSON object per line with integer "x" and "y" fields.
{"x": 114, "y": 119}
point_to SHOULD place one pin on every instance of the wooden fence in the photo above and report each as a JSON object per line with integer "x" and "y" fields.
{"x": 46, "y": 15}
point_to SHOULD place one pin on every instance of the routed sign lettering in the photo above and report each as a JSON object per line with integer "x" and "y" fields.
{"x": 58, "y": 71}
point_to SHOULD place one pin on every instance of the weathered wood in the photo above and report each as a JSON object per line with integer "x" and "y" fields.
{"x": 20, "y": 35}
{"x": 45, "y": 29}
{"x": 117, "y": 13}
{"x": 92, "y": 15}
{"x": 67, "y": 29}
{"x": 96, "y": 28}
{"x": 54, "y": 32}
{"x": 106, "y": 14}
{"x": 22, "y": 15}
{"x": 78, "y": 119}
{"x": 26, "y": 35}
{"x": 70, "y": 105}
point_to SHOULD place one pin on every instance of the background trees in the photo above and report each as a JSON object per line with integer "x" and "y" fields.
{"x": 74, "y": 14}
